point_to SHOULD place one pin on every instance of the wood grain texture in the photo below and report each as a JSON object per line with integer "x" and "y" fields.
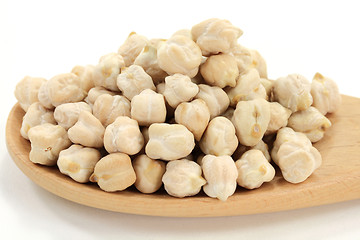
{"x": 338, "y": 179}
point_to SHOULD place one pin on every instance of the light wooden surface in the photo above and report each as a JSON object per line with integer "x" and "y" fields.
{"x": 338, "y": 179}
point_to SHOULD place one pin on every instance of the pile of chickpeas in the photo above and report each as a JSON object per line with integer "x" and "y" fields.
{"x": 194, "y": 111}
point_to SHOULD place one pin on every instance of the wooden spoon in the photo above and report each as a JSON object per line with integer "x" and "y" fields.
{"x": 338, "y": 179}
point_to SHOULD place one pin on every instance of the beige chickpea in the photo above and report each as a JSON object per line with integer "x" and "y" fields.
{"x": 242, "y": 56}
{"x": 123, "y": 135}
{"x": 219, "y": 138}
{"x": 114, "y": 172}
{"x": 36, "y": 114}
{"x": 67, "y": 114}
{"x": 145, "y": 133}
{"x": 261, "y": 146}
{"x": 251, "y": 119}
{"x": 47, "y": 140}
{"x": 169, "y": 141}
{"x": 179, "y": 54}
{"x": 87, "y": 131}
{"x": 293, "y": 92}
{"x": 311, "y": 122}
{"x": 183, "y": 178}
{"x": 220, "y": 70}
{"x": 279, "y": 116}
{"x": 26, "y": 91}
{"x": 95, "y": 92}
{"x": 43, "y": 96}
{"x": 215, "y": 98}
{"x": 132, "y": 47}
{"x": 254, "y": 169}
{"x": 183, "y": 32}
{"x": 268, "y": 85}
{"x": 194, "y": 115}
{"x": 86, "y": 75}
{"x": 259, "y": 63}
{"x": 133, "y": 80}
{"x": 248, "y": 87}
{"x": 148, "y": 107}
{"x": 325, "y": 93}
{"x": 147, "y": 59}
{"x": 62, "y": 88}
{"x": 215, "y": 35}
{"x": 78, "y": 162}
{"x": 295, "y": 155}
{"x": 157, "y": 42}
{"x": 221, "y": 174}
{"x": 287, "y": 134}
{"x": 107, "y": 108}
{"x": 178, "y": 89}
{"x": 160, "y": 88}
{"x": 149, "y": 173}
{"x": 107, "y": 71}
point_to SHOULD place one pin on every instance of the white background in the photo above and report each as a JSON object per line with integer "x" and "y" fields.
{"x": 44, "y": 38}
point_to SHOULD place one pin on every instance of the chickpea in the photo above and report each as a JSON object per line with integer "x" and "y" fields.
{"x": 107, "y": 108}
{"x": 123, "y": 135}
{"x": 114, "y": 172}
{"x": 62, "y": 88}
{"x": 78, "y": 162}
{"x": 194, "y": 115}
{"x": 26, "y": 91}
{"x": 248, "y": 87}
{"x": 242, "y": 56}
{"x": 219, "y": 138}
{"x": 87, "y": 131}
{"x": 178, "y": 89}
{"x": 47, "y": 140}
{"x": 145, "y": 133}
{"x": 86, "y": 75}
{"x": 254, "y": 169}
{"x": 259, "y": 63}
{"x": 147, "y": 59}
{"x": 221, "y": 174}
{"x": 67, "y": 114}
{"x": 160, "y": 88}
{"x": 215, "y": 35}
{"x": 183, "y": 32}
{"x": 179, "y": 54}
{"x": 157, "y": 42}
{"x": 36, "y": 114}
{"x": 261, "y": 146}
{"x": 133, "y": 80}
{"x": 149, "y": 173}
{"x": 295, "y": 155}
{"x": 215, "y": 98}
{"x": 169, "y": 141}
{"x": 311, "y": 122}
{"x": 293, "y": 92}
{"x": 107, "y": 71}
{"x": 251, "y": 119}
{"x": 325, "y": 93}
{"x": 43, "y": 96}
{"x": 183, "y": 178}
{"x": 220, "y": 70}
{"x": 279, "y": 116}
{"x": 268, "y": 85}
{"x": 148, "y": 107}
{"x": 95, "y": 92}
{"x": 132, "y": 47}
